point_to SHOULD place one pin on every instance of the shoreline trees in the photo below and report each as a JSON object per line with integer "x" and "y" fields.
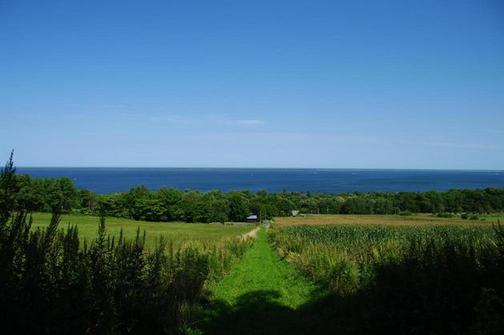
{"x": 167, "y": 204}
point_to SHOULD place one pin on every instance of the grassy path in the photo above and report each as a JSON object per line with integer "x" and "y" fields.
{"x": 260, "y": 294}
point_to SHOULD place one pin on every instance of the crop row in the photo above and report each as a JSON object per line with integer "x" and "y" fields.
{"x": 443, "y": 279}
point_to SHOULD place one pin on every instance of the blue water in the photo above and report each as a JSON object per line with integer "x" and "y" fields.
{"x": 107, "y": 180}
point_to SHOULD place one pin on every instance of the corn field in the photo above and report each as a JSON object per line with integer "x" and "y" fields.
{"x": 439, "y": 280}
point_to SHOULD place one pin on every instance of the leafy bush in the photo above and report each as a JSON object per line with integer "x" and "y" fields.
{"x": 51, "y": 283}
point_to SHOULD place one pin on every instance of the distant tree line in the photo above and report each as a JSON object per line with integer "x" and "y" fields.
{"x": 167, "y": 204}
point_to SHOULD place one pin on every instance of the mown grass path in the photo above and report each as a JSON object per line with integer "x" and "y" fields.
{"x": 260, "y": 294}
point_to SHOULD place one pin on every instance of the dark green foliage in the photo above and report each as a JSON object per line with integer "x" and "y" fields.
{"x": 50, "y": 195}
{"x": 8, "y": 190}
{"x": 191, "y": 206}
{"x": 87, "y": 201}
{"x": 51, "y": 284}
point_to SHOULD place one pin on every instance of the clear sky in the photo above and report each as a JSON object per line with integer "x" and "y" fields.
{"x": 330, "y": 84}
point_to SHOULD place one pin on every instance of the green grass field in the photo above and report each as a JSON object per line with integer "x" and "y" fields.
{"x": 496, "y": 217}
{"x": 177, "y": 232}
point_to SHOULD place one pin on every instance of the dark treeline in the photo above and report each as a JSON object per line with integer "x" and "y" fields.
{"x": 192, "y": 206}
{"x": 50, "y": 283}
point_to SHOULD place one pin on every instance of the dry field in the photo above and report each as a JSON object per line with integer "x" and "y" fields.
{"x": 393, "y": 220}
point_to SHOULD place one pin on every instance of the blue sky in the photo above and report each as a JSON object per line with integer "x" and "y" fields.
{"x": 329, "y": 84}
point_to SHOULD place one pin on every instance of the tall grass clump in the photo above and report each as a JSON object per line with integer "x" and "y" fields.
{"x": 51, "y": 283}
{"x": 422, "y": 280}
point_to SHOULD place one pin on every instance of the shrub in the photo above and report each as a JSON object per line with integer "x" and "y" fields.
{"x": 50, "y": 283}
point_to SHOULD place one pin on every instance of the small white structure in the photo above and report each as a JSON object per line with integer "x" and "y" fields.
{"x": 252, "y": 218}
{"x": 295, "y": 213}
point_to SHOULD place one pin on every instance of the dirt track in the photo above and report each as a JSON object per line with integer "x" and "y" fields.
{"x": 251, "y": 234}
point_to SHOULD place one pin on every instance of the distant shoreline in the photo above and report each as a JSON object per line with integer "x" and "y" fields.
{"x": 330, "y": 181}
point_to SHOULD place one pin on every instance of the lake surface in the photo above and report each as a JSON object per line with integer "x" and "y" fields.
{"x": 107, "y": 180}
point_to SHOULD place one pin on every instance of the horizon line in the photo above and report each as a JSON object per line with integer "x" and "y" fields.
{"x": 258, "y": 168}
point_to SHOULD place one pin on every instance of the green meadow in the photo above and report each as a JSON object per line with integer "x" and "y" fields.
{"x": 175, "y": 231}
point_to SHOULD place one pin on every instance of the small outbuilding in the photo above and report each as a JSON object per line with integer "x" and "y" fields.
{"x": 252, "y": 218}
